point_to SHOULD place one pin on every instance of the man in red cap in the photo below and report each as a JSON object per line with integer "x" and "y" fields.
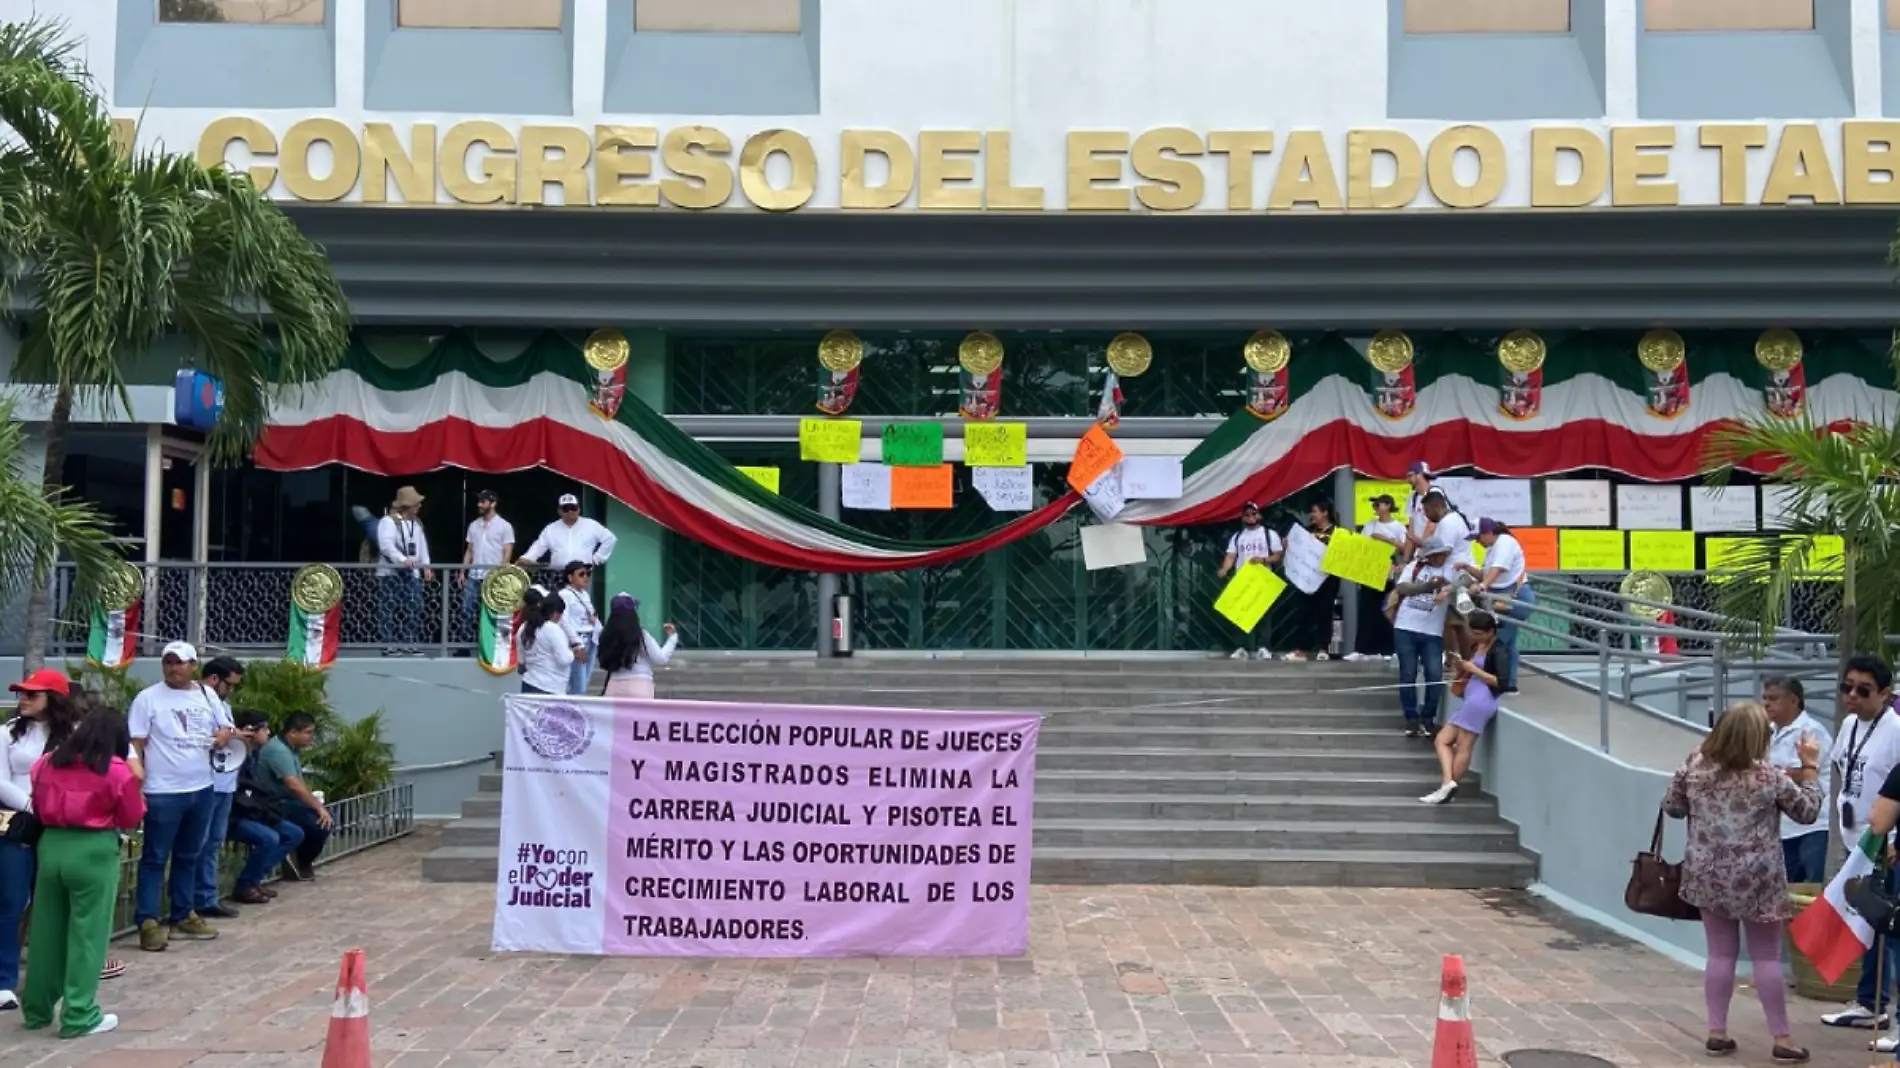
{"x": 1253, "y": 543}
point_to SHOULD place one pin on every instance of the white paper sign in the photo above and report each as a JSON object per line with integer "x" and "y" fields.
{"x": 1507, "y": 500}
{"x": 1777, "y": 507}
{"x": 1106, "y": 545}
{"x": 1301, "y": 562}
{"x": 1151, "y": 478}
{"x": 867, "y": 486}
{"x": 1724, "y": 508}
{"x": 1005, "y": 489}
{"x": 1649, "y": 507}
{"x": 1458, "y": 491}
{"x": 1576, "y": 502}
{"x": 1104, "y": 495}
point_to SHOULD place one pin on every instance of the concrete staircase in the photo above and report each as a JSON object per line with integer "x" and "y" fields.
{"x": 1156, "y": 771}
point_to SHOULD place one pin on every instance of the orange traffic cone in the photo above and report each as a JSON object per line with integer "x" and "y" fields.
{"x": 1452, "y": 1044}
{"x": 348, "y": 1043}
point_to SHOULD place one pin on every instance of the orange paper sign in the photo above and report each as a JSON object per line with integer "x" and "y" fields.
{"x": 920, "y": 487}
{"x": 1539, "y": 545}
{"x": 1094, "y": 454}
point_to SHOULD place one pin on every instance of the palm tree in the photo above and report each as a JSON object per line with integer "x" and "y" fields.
{"x": 103, "y": 252}
{"x": 1843, "y": 483}
{"x": 35, "y": 529}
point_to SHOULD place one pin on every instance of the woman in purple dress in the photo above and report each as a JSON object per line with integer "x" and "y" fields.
{"x": 1476, "y": 681}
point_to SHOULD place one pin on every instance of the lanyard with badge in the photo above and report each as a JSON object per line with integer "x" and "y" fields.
{"x": 1852, "y": 774}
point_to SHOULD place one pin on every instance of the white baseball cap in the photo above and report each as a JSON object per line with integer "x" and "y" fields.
{"x": 182, "y": 650}
{"x": 568, "y": 500}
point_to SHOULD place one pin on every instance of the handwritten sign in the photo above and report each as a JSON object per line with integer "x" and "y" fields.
{"x": 1827, "y": 556}
{"x": 913, "y": 444}
{"x": 920, "y": 487}
{"x": 1539, "y": 545}
{"x": 995, "y": 444}
{"x": 1151, "y": 478}
{"x": 1777, "y": 507}
{"x": 1726, "y": 559}
{"x": 1104, "y": 496}
{"x": 764, "y": 476}
{"x": 1723, "y": 508}
{"x": 829, "y": 441}
{"x": 1357, "y": 558}
{"x": 1576, "y": 502}
{"x": 1301, "y": 562}
{"x": 1649, "y": 508}
{"x": 1248, "y": 595}
{"x": 1507, "y": 500}
{"x": 1590, "y": 550}
{"x": 1662, "y": 550}
{"x": 1095, "y": 454}
{"x": 867, "y": 487}
{"x": 1364, "y": 489}
{"x": 685, "y": 829}
{"x": 1005, "y": 489}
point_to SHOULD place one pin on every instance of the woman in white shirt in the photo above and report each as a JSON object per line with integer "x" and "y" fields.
{"x": 1503, "y": 575}
{"x": 628, "y": 653}
{"x": 45, "y": 719}
{"x": 1374, "y": 640}
{"x": 1418, "y": 628}
{"x": 544, "y": 648}
{"x": 580, "y": 622}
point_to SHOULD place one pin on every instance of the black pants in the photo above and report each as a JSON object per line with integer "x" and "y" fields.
{"x": 1375, "y": 631}
{"x": 1313, "y": 623}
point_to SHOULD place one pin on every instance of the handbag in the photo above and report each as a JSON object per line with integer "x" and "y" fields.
{"x": 1873, "y": 896}
{"x": 20, "y": 828}
{"x": 1655, "y": 886}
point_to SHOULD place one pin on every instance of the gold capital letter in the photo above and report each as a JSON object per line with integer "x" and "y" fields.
{"x": 1096, "y": 156}
{"x": 1408, "y": 169}
{"x": 1240, "y": 147}
{"x": 1867, "y": 149}
{"x": 346, "y": 160}
{"x": 412, "y": 168}
{"x": 1734, "y": 140}
{"x": 1801, "y": 168}
{"x": 1548, "y": 146}
{"x": 936, "y": 169}
{"x": 497, "y": 183}
{"x": 1164, "y": 156}
{"x": 613, "y": 165}
{"x": 854, "y": 148}
{"x": 703, "y": 179}
{"x": 568, "y": 167}
{"x": 1630, "y": 163}
{"x": 998, "y": 193}
{"x": 1441, "y": 172}
{"x": 257, "y": 138}
{"x": 758, "y": 185}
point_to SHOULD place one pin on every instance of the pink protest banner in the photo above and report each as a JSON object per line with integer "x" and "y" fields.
{"x": 683, "y": 828}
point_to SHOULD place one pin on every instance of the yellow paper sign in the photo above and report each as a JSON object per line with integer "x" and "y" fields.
{"x": 995, "y": 444}
{"x": 1662, "y": 550}
{"x": 1247, "y": 597}
{"x": 1477, "y": 554}
{"x": 1723, "y": 558}
{"x": 829, "y": 441}
{"x": 764, "y": 476}
{"x": 1357, "y": 558}
{"x": 1590, "y": 550}
{"x": 1827, "y": 556}
{"x": 1364, "y": 489}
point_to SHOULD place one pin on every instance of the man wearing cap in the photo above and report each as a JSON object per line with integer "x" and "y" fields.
{"x": 1252, "y": 544}
{"x": 1418, "y": 632}
{"x": 1419, "y": 475}
{"x": 490, "y": 541}
{"x": 174, "y": 724}
{"x": 569, "y": 538}
{"x": 403, "y": 550}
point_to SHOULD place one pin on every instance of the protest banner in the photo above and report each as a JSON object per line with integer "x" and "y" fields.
{"x": 679, "y": 828}
{"x": 1249, "y": 594}
{"x": 1357, "y": 558}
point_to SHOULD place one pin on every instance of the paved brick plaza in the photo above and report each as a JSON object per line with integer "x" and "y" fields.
{"x": 1119, "y": 977}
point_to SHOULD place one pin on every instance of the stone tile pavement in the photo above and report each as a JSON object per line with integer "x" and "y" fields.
{"x": 1117, "y": 977}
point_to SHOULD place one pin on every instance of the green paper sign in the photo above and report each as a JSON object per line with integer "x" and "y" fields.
{"x": 913, "y": 444}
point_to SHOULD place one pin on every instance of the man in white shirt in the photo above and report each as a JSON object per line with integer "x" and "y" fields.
{"x": 490, "y": 541}
{"x": 1864, "y": 753}
{"x": 174, "y": 726}
{"x": 403, "y": 551}
{"x": 1418, "y": 633}
{"x": 1451, "y": 535}
{"x": 1252, "y": 544}
{"x": 1803, "y": 845}
{"x": 1419, "y": 475}
{"x": 1502, "y": 576}
{"x": 218, "y": 678}
{"x": 569, "y": 538}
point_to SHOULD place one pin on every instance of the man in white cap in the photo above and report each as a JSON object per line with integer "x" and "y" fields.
{"x": 174, "y": 725}
{"x": 403, "y": 551}
{"x": 570, "y": 538}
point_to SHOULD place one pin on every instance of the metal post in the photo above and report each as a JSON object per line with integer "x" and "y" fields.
{"x": 442, "y": 589}
{"x": 1718, "y": 694}
{"x": 830, "y": 503}
{"x": 1348, "y": 593}
{"x": 1603, "y": 689}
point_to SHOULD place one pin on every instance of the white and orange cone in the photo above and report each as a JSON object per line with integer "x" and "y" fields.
{"x": 1452, "y": 1044}
{"x": 347, "y": 1045}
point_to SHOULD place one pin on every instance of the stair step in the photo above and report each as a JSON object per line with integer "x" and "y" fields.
{"x": 1174, "y": 758}
{"x": 482, "y": 807}
{"x": 1302, "y": 834}
{"x": 1282, "y": 867}
{"x": 1400, "y": 780}
{"x": 461, "y": 864}
{"x": 1333, "y": 739}
{"x": 1166, "y": 809}
{"x": 1027, "y": 698}
{"x": 472, "y": 832}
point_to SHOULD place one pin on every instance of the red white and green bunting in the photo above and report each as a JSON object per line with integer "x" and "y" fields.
{"x": 495, "y": 640}
{"x": 112, "y": 639}
{"x": 1591, "y": 402}
{"x": 316, "y": 615}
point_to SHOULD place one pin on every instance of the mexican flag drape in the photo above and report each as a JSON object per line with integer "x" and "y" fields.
{"x": 313, "y": 635}
{"x": 495, "y": 639}
{"x": 457, "y": 406}
{"x": 112, "y": 637}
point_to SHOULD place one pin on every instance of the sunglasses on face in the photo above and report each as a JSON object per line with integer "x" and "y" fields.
{"x": 1857, "y": 689}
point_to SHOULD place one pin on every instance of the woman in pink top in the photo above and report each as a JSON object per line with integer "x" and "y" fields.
{"x": 629, "y": 653}
{"x": 84, "y": 794}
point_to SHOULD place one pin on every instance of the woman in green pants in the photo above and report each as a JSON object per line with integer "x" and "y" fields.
{"x": 84, "y": 794}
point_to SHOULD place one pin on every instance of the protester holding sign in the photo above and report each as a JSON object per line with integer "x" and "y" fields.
{"x": 1252, "y": 544}
{"x": 1418, "y": 628}
{"x": 1313, "y": 612}
{"x": 1374, "y": 639}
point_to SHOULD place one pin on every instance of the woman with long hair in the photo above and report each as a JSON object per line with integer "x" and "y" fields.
{"x": 1374, "y": 639}
{"x": 1475, "y": 681}
{"x": 580, "y": 622}
{"x": 45, "y": 720}
{"x": 628, "y": 652}
{"x": 1313, "y": 612}
{"x": 544, "y": 649}
{"x": 85, "y": 795}
{"x": 1733, "y": 868}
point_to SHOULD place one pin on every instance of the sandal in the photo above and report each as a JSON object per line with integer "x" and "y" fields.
{"x": 113, "y": 969}
{"x": 1788, "y": 1055}
{"x": 1719, "y": 1047}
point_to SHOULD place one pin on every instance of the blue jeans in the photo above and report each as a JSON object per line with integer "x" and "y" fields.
{"x": 174, "y": 834}
{"x": 16, "y": 889}
{"x": 314, "y": 836}
{"x": 1507, "y": 632}
{"x": 399, "y": 608}
{"x": 1419, "y": 652}
{"x": 1806, "y": 857}
{"x": 270, "y": 844}
{"x": 581, "y": 670}
{"x": 468, "y": 626}
{"x": 215, "y": 824}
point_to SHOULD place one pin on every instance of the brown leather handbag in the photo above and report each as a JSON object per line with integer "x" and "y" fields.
{"x": 1655, "y": 886}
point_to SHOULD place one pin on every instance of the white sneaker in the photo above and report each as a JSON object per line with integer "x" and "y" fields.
{"x": 1884, "y": 1044}
{"x": 1355, "y": 657}
{"x": 1322, "y": 655}
{"x": 8, "y": 1000}
{"x": 1294, "y": 656}
{"x": 1239, "y": 654}
{"x": 1262, "y": 654}
{"x": 1854, "y": 1016}
{"x": 1440, "y": 795}
{"x": 108, "y": 1022}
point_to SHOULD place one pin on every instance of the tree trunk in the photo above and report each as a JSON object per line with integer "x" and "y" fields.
{"x": 52, "y": 479}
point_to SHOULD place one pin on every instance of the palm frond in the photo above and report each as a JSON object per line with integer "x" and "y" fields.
{"x": 36, "y": 532}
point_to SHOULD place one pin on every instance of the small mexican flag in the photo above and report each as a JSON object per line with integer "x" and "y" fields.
{"x": 1830, "y": 932}
{"x": 495, "y": 642}
{"x": 313, "y": 635}
{"x": 112, "y": 640}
